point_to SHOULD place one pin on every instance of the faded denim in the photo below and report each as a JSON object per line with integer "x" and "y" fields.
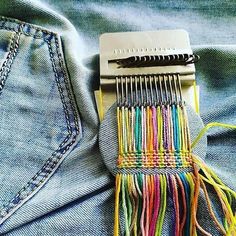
{"x": 53, "y": 180}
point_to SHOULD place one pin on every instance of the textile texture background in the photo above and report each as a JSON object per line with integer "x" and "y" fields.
{"x": 53, "y": 180}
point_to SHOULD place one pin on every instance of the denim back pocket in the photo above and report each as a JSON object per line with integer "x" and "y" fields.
{"x": 39, "y": 119}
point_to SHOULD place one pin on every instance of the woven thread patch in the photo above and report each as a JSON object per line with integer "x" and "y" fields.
{"x": 153, "y": 136}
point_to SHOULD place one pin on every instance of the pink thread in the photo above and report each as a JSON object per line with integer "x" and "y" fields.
{"x": 143, "y": 210}
{"x": 147, "y": 206}
{"x": 144, "y": 138}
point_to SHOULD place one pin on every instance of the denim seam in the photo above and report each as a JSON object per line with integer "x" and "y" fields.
{"x": 6, "y": 66}
{"x": 70, "y": 93}
{"x": 50, "y": 166}
{"x": 60, "y": 89}
{"x": 18, "y": 22}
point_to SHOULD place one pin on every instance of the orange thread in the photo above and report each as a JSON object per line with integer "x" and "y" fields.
{"x": 176, "y": 204}
{"x": 184, "y": 212}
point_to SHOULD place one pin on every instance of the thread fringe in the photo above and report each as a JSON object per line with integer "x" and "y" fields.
{"x": 142, "y": 198}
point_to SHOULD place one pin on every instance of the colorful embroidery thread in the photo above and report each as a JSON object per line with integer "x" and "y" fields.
{"x": 157, "y": 165}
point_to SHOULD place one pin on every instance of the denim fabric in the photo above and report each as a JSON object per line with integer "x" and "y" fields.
{"x": 48, "y": 69}
{"x": 40, "y": 124}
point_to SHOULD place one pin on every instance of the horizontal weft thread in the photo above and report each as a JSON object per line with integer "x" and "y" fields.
{"x": 153, "y": 136}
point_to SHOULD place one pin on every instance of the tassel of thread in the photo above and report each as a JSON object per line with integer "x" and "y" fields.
{"x": 158, "y": 137}
{"x": 144, "y": 200}
{"x": 225, "y": 195}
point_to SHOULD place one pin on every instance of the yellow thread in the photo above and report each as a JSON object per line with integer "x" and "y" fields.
{"x": 116, "y": 223}
{"x": 209, "y": 205}
{"x": 149, "y": 166}
{"x": 187, "y": 129}
{"x": 150, "y": 146}
{"x": 181, "y": 133}
{"x": 203, "y": 166}
{"x": 124, "y": 130}
{"x": 191, "y": 183}
{"x": 160, "y": 138}
{"x": 127, "y": 128}
{"x": 184, "y": 146}
{"x": 171, "y": 131}
{"x": 228, "y": 211}
{"x": 135, "y": 164}
{"x": 180, "y": 129}
{"x": 220, "y": 186}
{"x": 136, "y": 211}
{"x": 208, "y": 126}
{"x": 232, "y": 229}
{"x": 121, "y": 133}
{"x": 100, "y": 110}
{"x": 170, "y": 153}
{"x": 130, "y": 196}
{"x": 169, "y": 127}
{"x": 196, "y": 100}
{"x": 183, "y": 130}
{"x": 118, "y": 130}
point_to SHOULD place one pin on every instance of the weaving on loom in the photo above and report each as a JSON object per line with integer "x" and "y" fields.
{"x": 156, "y": 169}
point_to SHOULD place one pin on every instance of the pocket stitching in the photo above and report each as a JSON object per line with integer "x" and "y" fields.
{"x": 6, "y": 66}
{"x": 53, "y": 162}
{"x": 66, "y": 80}
{"x": 5, "y": 20}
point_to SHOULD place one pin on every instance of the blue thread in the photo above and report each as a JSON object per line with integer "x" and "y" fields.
{"x": 188, "y": 204}
{"x": 179, "y": 161}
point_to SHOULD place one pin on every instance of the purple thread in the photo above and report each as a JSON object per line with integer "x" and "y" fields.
{"x": 144, "y": 207}
{"x": 171, "y": 192}
{"x": 165, "y": 127}
{"x": 155, "y": 140}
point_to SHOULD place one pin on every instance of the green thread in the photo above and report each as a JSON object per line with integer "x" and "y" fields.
{"x": 128, "y": 200}
{"x": 162, "y": 210}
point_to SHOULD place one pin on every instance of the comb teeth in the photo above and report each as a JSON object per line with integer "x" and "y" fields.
{"x": 150, "y": 90}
